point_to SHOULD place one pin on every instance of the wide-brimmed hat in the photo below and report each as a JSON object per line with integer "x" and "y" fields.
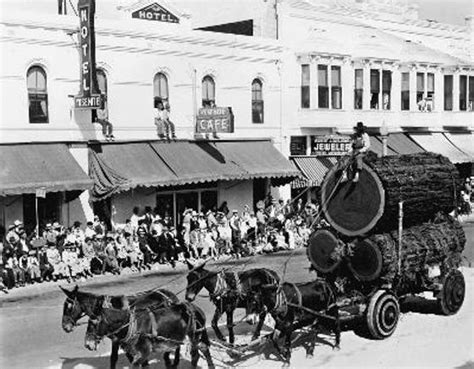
{"x": 360, "y": 126}
{"x": 17, "y": 223}
{"x": 77, "y": 224}
{"x": 48, "y": 225}
{"x": 56, "y": 225}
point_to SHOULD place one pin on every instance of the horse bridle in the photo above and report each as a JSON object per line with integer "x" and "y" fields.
{"x": 74, "y": 303}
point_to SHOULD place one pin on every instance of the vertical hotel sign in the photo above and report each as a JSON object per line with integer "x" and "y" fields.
{"x": 89, "y": 96}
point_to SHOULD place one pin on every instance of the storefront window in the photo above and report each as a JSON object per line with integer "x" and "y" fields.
{"x": 336, "y": 88}
{"x": 165, "y": 206}
{"x": 323, "y": 87}
{"x": 49, "y": 210}
{"x": 405, "y": 91}
{"x": 305, "y": 86}
{"x": 208, "y": 200}
{"x": 374, "y": 88}
{"x": 448, "y": 93}
{"x": 471, "y": 94}
{"x": 359, "y": 88}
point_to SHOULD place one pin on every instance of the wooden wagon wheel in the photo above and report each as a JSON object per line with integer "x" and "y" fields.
{"x": 382, "y": 314}
{"x": 451, "y": 296}
{"x": 321, "y": 246}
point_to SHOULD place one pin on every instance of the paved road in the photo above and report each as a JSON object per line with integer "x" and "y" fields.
{"x": 31, "y": 334}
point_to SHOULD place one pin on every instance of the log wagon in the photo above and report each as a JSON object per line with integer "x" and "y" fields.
{"x": 390, "y": 236}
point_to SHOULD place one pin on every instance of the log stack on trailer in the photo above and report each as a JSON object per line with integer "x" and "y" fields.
{"x": 391, "y": 235}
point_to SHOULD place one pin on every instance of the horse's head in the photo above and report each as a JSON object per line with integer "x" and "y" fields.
{"x": 197, "y": 279}
{"x": 104, "y": 322}
{"x": 72, "y": 309}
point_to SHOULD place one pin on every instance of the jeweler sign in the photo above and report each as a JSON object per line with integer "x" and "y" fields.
{"x": 215, "y": 120}
{"x": 89, "y": 96}
{"x": 330, "y": 145}
{"x": 155, "y": 12}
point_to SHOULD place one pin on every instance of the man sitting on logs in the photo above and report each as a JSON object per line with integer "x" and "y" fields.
{"x": 360, "y": 145}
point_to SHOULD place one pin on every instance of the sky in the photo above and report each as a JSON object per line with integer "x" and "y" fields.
{"x": 450, "y": 11}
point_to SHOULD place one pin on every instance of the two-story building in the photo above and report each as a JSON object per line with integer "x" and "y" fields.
{"x": 58, "y": 165}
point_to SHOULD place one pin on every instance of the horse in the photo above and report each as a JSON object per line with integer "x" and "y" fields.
{"x": 297, "y": 305}
{"x": 139, "y": 334}
{"x": 79, "y": 304}
{"x": 229, "y": 291}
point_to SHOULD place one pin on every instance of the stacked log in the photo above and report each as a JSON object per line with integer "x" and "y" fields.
{"x": 427, "y": 184}
{"x": 364, "y": 217}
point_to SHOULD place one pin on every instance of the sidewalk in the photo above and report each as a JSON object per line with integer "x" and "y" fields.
{"x": 33, "y": 290}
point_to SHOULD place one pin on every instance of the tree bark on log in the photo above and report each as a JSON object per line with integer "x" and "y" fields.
{"x": 427, "y": 184}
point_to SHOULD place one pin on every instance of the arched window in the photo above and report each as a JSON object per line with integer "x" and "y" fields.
{"x": 208, "y": 92}
{"x": 160, "y": 89}
{"x": 37, "y": 95}
{"x": 257, "y": 101}
{"x": 103, "y": 113}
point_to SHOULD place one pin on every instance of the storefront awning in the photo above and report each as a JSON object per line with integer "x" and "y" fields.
{"x": 313, "y": 168}
{"x": 402, "y": 144}
{"x": 376, "y": 146}
{"x": 438, "y": 143}
{"x": 25, "y": 168}
{"x": 463, "y": 141}
{"x": 122, "y": 166}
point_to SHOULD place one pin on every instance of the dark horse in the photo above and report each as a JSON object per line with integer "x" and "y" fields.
{"x": 297, "y": 305}
{"x": 79, "y": 304}
{"x": 153, "y": 329}
{"x": 229, "y": 291}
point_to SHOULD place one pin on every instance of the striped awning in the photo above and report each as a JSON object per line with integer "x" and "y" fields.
{"x": 313, "y": 168}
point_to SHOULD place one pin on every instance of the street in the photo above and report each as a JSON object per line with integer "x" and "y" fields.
{"x": 32, "y": 337}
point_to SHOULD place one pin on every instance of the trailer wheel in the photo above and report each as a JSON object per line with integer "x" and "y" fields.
{"x": 451, "y": 296}
{"x": 382, "y": 315}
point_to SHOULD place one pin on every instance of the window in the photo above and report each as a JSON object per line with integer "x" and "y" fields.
{"x": 359, "y": 88}
{"x": 257, "y": 101}
{"x": 386, "y": 89}
{"x": 462, "y": 92}
{"x": 405, "y": 91}
{"x": 374, "y": 88}
{"x": 470, "y": 106}
{"x": 336, "y": 88}
{"x": 420, "y": 90}
{"x": 298, "y": 145}
{"x": 208, "y": 92}
{"x": 323, "y": 87}
{"x": 37, "y": 95}
{"x": 305, "y": 86}
{"x": 103, "y": 113}
{"x": 430, "y": 88}
{"x": 160, "y": 89}
{"x": 448, "y": 92}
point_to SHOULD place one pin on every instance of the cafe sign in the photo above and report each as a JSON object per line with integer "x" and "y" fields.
{"x": 215, "y": 120}
{"x": 330, "y": 145}
{"x": 155, "y": 12}
{"x": 89, "y": 96}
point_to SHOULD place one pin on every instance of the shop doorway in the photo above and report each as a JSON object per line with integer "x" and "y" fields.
{"x": 49, "y": 210}
{"x": 185, "y": 200}
{"x": 259, "y": 190}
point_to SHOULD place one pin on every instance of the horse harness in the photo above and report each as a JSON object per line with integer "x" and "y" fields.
{"x": 282, "y": 303}
{"x": 225, "y": 287}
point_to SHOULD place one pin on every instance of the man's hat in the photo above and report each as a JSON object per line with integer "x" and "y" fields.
{"x": 17, "y": 223}
{"x": 56, "y": 225}
{"x": 235, "y": 211}
{"x": 360, "y": 126}
{"x": 194, "y": 213}
{"x": 77, "y": 224}
{"x": 48, "y": 225}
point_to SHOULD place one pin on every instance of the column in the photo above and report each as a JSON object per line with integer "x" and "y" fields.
{"x": 413, "y": 105}
{"x": 456, "y": 90}
{"x": 396, "y": 93}
{"x": 308, "y": 145}
{"x": 348, "y": 85}
{"x": 366, "y": 92}
{"x": 439, "y": 90}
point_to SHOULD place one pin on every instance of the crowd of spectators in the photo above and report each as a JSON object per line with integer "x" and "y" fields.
{"x": 147, "y": 240}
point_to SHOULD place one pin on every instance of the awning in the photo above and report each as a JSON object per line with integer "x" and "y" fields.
{"x": 24, "y": 168}
{"x": 119, "y": 167}
{"x": 377, "y": 147}
{"x": 402, "y": 144}
{"x": 313, "y": 168}
{"x": 438, "y": 143}
{"x": 463, "y": 141}
{"x": 257, "y": 159}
